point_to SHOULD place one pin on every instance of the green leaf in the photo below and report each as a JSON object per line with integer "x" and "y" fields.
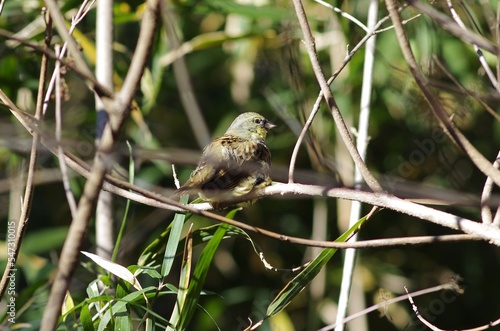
{"x": 86, "y": 318}
{"x": 115, "y": 269}
{"x": 157, "y": 247}
{"x": 184, "y": 277}
{"x": 173, "y": 240}
{"x": 199, "y": 276}
{"x": 120, "y": 304}
{"x": 299, "y": 282}
{"x": 42, "y": 241}
{"x": 123, "y": 321}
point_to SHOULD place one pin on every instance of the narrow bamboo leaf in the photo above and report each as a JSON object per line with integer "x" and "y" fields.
{"x": 150, "y": 324}
{"x": 299, "y": 282}
{"x": 156, "y": 249}
{"x": 173, "y": 240}
{"x": 199, "y": 276}
{"x": 131, "y": 178}
{"x": 115, "y": 269}
{"x": 184, "y": 278}
{"x": 86, "y": 318}
{"x": 120, "y": 304}
{"x": 156, "y": 246}
{"x": 123, "y": 321}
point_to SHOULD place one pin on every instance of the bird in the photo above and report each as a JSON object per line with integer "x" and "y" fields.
{"x": 234, "y": 164}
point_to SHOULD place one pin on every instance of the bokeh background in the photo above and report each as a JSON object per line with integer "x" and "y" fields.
{"x": 248, "y": 56}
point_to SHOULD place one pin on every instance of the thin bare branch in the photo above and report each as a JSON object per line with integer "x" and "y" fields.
{"x": 437, "y": 108}
{"x": 60, "y": 152}
{"x": 2, "y": 3}
{"x": 448, "y": 286}
{"x": 317, "y": 103}
{"x": 465, "y": 91}
{"x": 435, "y": 328}
{"x": 82, "y": 11}
{"x": 332, "y": 105}
{"x": 453, "y": 28}
{"x": 89, "y": 78}
{"x": 137, "y": 65}
{"x": 29, "y": 188}
{"x": 60, "y": 24}
{"x": 344, "y": 14}
{"x": 119, "y": 110}
{"x": 104, "y": 70}
{"x": 482, "y": 60}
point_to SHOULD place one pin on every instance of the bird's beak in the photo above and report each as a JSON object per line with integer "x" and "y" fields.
{"x": 268, "y": 125}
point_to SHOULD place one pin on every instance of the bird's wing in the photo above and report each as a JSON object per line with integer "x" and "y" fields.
{"x": 226, "y": 163}
{"x": 233, "y": 160}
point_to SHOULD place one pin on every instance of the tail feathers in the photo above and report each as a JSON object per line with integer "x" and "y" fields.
{"x": 184, "y": 189}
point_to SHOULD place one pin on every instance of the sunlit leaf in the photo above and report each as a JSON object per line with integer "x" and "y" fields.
{"x": 115, "y": 269}
{"x": 199, "y": 276}
{"x": 299, "y": 282}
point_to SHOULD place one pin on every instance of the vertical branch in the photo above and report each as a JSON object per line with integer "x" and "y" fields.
{"x": 60, "y": 152}
{"x": 60, "y": 24}
{"x": 82, "y": 11}
{"x": 315, "y": 109}
{"x": 104, "y": 75}
{"x": 119, "y": 111}
{"x": 362, "y": 140}
{"x": 28, "y": 191}
{"x": 327, "y": 94}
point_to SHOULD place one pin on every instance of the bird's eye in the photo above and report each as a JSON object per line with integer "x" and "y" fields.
{"x": 257, "y": 121}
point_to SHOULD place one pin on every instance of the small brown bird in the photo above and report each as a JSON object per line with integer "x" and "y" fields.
{"x": 233, "y": 164}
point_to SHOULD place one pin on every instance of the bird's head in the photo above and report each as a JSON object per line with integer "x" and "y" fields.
{"x": 250, "y": 126}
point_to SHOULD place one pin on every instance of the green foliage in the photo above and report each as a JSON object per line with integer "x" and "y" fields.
{"x": 185, "y": 271}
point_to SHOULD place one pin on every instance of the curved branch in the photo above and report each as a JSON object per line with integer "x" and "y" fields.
{"x": 88, "y": 77}
{"x": 330, "y": 100}
{"x": 437, "y": 108}
{"x": 449, "y": 25}
{"x": 22, "y": 223}
{"x": 487, "y": 232}
{"x": 60, "y": 24}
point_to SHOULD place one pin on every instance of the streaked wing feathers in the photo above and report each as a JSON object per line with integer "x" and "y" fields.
{"x": 228, "y": 162}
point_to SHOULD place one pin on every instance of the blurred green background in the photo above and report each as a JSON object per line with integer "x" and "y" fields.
{"x": 248, "y": 56}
